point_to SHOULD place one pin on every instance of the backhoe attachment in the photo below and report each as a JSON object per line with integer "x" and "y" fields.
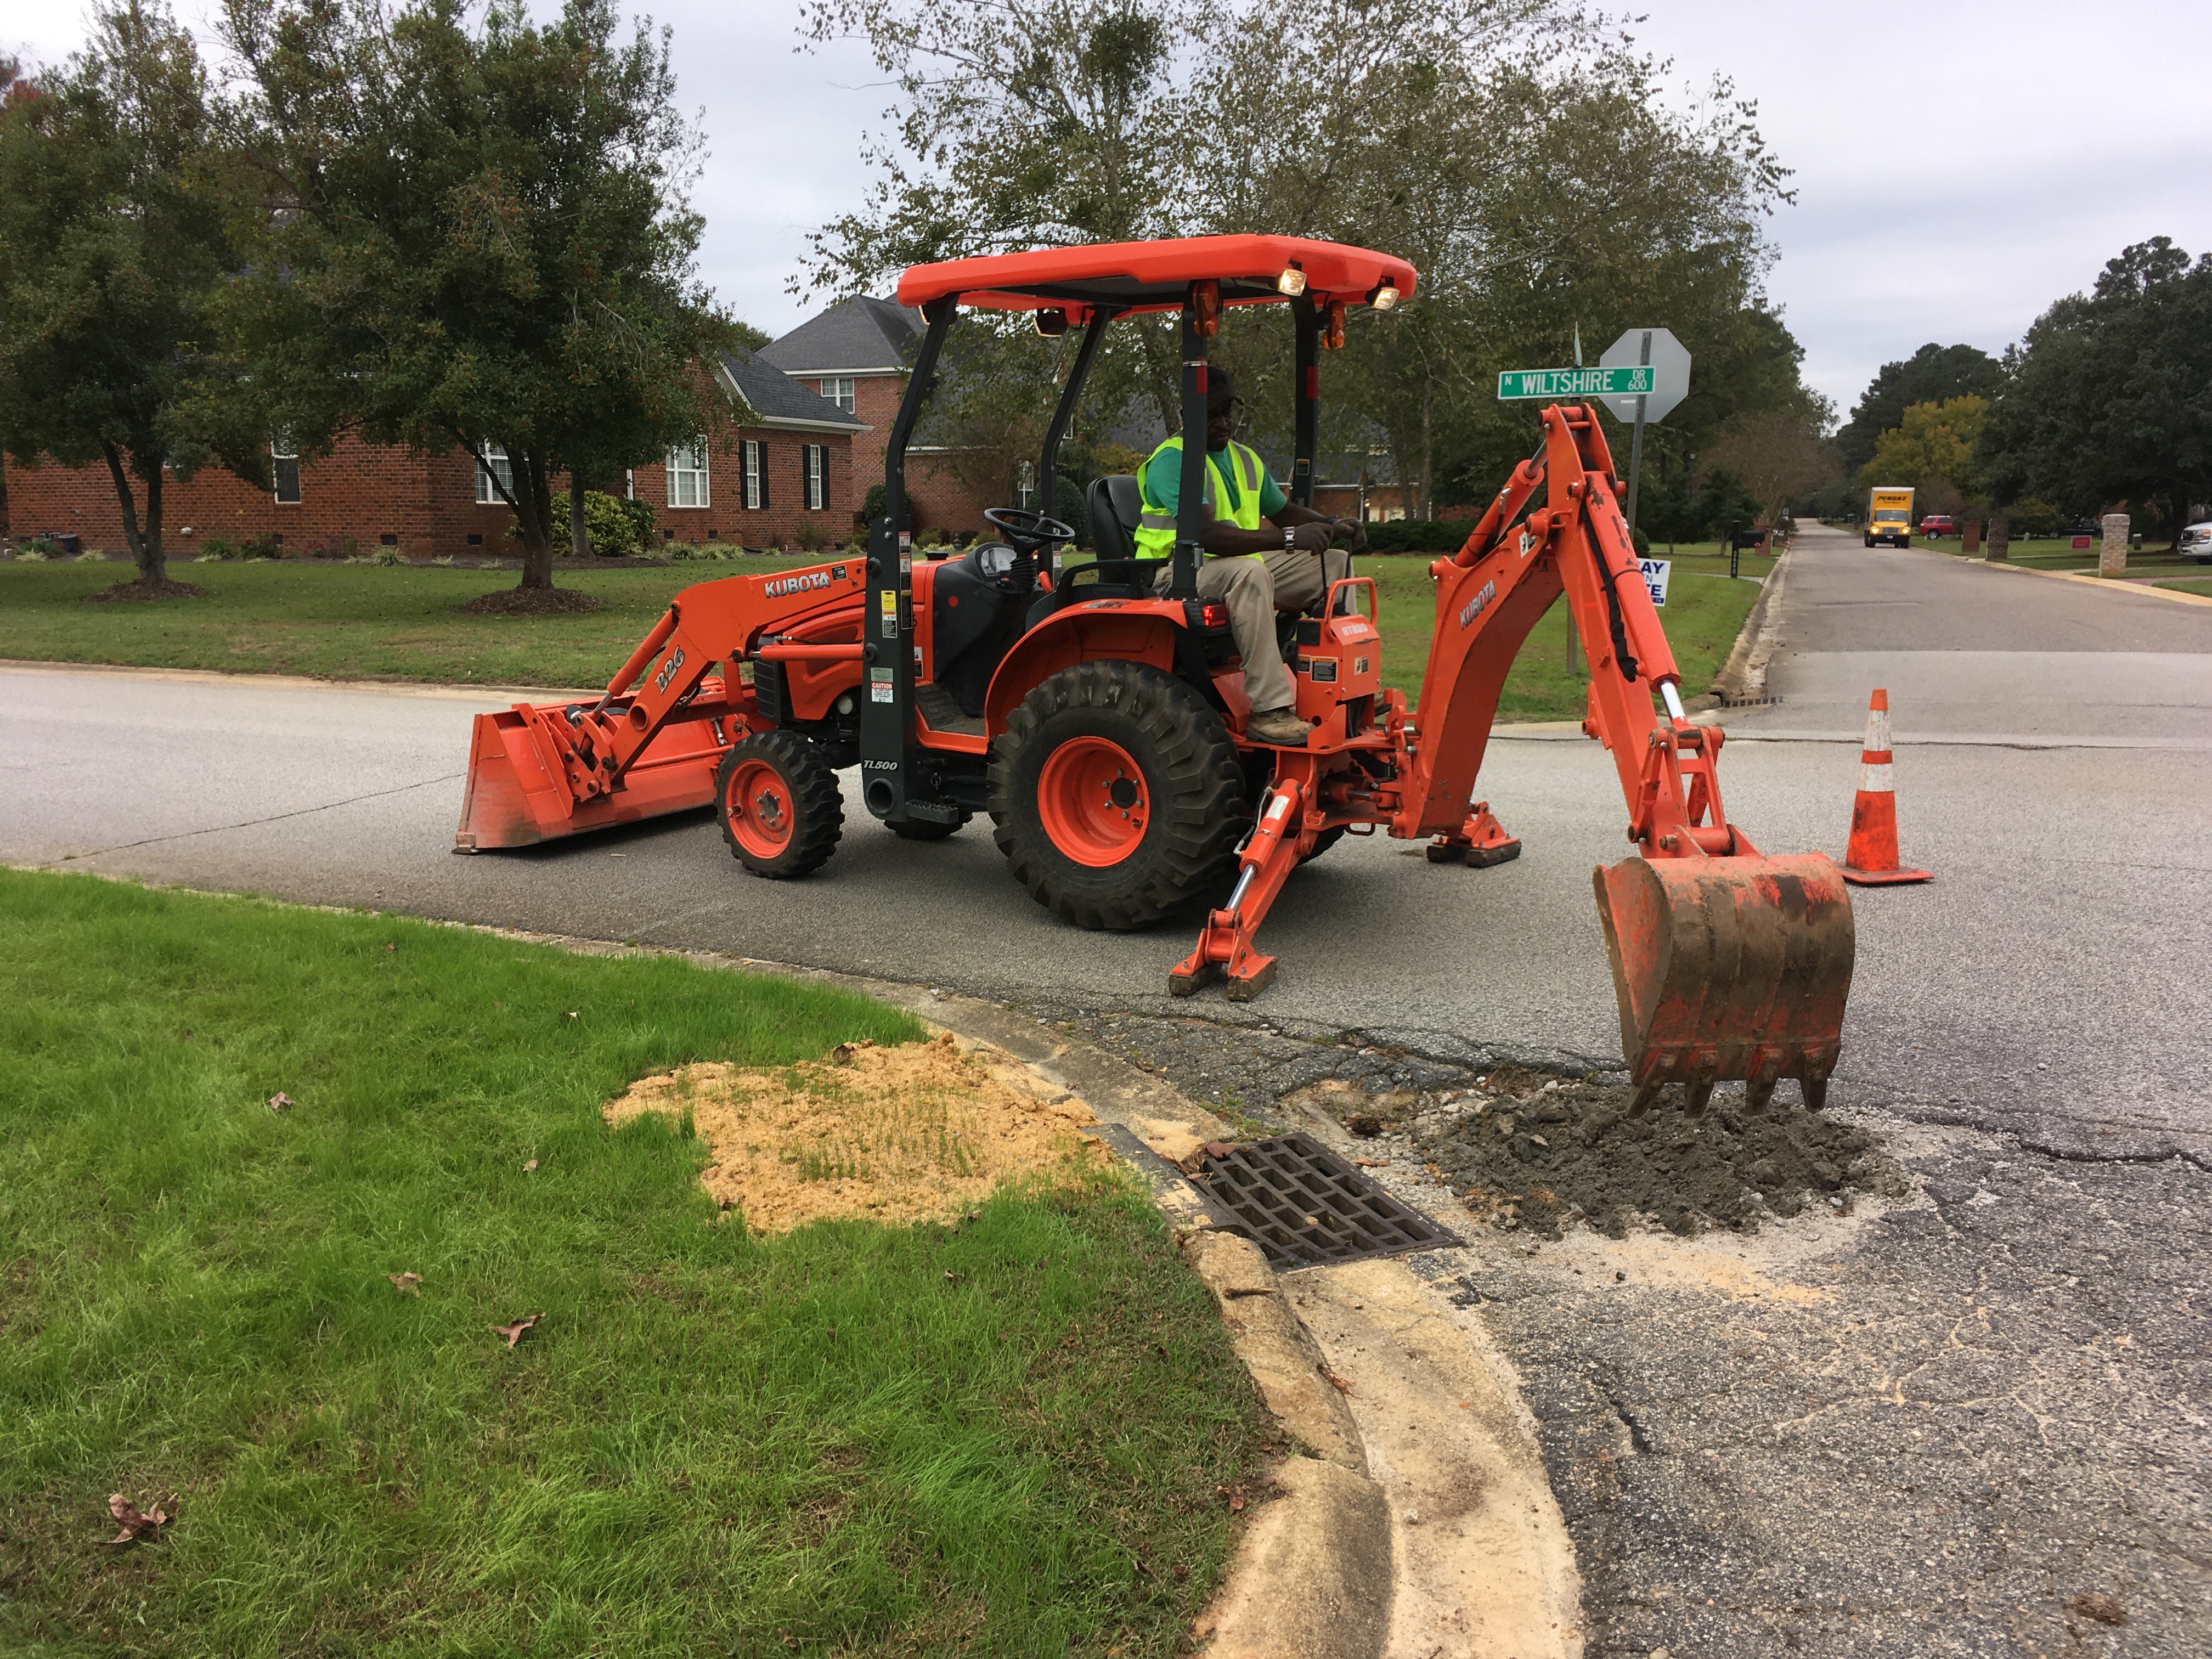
{"x": 1727, "y": 964}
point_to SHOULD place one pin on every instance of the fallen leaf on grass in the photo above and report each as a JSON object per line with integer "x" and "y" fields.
{"x": 405, "y": 1283}
{"x": 951, "y": 1277}
{"x": 1341, "y": 1386}
{"x": 529, "y": 1166}
{"x": 571, "y": 1014}
{"x": 513, "y": 1333}
{"x": 1234, "y": 1494}
{"x": 280, "y": 1102}
{"x": 135, "y": 1521}
{"x": 390, "y": 947}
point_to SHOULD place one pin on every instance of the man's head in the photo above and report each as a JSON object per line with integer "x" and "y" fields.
{"x": 1220, "y": 408}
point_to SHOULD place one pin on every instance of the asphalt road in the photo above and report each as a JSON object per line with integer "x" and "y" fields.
{"x": 2055, "y": 750}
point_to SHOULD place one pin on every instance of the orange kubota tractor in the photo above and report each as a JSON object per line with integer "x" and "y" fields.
{"x": 1101, "y": 720}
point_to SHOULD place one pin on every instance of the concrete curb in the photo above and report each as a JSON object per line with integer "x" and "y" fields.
{"x": 1742, "y": 678}
{"x": 2102, "y": 584}
{"x": 405, "y": 688}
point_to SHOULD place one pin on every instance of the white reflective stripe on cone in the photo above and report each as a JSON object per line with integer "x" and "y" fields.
{"x": 1874, "y": 778}
{"x": 1877, "y": 728}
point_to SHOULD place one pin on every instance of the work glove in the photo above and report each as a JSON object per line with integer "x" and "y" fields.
{"x": 1313, "y": 537}
{"x": 1355, "y": 534}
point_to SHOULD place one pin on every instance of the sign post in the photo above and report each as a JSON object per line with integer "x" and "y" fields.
{"x": 1668, "y": 361}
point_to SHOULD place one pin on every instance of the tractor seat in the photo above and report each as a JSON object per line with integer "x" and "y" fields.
{"x": 1114, "y": 505}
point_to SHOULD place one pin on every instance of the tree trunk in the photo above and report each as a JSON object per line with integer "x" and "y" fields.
{"x": 145, "y": 545}
{"x": 579, "y": 540}
{"x": 1428, "y": 507}
{"x": 533, "y": 512}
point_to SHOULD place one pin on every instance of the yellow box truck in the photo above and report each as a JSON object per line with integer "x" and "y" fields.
{"x": 1889, "y": 517}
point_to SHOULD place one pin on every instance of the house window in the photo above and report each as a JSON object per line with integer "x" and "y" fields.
{"x": 818, "y": 477}
{"x": 495, "y": 465}
{"x": 284, "y": 463}
{"x": 687, "y": 475}
{"x": 754, "y": 454}
{"x": 838, "y": 389}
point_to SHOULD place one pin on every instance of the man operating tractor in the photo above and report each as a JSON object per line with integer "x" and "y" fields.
{"x": 1253, "y": 572}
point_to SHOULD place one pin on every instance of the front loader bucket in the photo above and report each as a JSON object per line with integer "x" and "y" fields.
{"x": 1728, "y": 968}
{"x": 517, "y": 794}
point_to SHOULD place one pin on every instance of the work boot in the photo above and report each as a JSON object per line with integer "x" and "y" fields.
{"x": 1279, "y": 727}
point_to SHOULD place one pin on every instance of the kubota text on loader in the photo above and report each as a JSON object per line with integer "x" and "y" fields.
{"x": 1101, "y": 721}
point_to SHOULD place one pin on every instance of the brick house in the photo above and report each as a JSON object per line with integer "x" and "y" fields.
{"x": 854, "y": 354}
{"x": 791, "y": 464}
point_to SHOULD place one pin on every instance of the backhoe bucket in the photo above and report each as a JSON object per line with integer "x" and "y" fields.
{"x": 1728, "y": 968}
{"x": 517, "y": 794}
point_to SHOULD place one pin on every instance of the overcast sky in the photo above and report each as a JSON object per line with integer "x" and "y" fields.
{"x": 1960, "y": 163}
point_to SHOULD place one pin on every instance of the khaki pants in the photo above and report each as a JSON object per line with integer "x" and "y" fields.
{"x": 1253, "y": 589}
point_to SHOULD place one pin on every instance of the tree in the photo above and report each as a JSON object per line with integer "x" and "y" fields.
{"x": 1931, "y": 375}
{"x": 1933, "y": 446}
{"x": 1779, "y": 455}
{"x": 2109, "y": 397}
{"x": 477, "y": 237}
{"x": 110, "y": 239}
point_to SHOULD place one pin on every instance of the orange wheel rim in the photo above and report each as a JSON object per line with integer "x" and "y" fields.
{"x": 758, "y": 803}
{"x": 1092, "y": 799}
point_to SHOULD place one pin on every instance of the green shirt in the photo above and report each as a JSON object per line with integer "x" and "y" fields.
{"x": 1164, "y": 482}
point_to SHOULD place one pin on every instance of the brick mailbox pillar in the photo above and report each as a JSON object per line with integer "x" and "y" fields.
{"x": 1970, "y": 537}
{"x": 2112, "y": 557}
{"x": 2000, "y": 540}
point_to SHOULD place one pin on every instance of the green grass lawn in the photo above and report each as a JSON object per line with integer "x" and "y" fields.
{"x": 2061, "y": 554}
{"x": 852, "y": 1440}
{"x": 345, "y": 622}
{"x": 366, "y": 622}
{"x": 1704, "y": 613}
{"x": 2201, "y": 585}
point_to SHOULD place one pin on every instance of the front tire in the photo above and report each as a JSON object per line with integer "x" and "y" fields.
{"x": 779, "y": 805}
{"x": 1117, "y": 795}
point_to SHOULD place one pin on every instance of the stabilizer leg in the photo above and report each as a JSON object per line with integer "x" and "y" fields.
{"x": 1481, "y": 842}
{"x": 1226, "y": 943}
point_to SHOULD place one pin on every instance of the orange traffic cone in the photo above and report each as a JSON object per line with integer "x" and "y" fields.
{"x": 1871, "y": 858}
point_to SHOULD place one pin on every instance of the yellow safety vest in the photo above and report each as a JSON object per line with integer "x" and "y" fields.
{"x": 1156, "y": 532}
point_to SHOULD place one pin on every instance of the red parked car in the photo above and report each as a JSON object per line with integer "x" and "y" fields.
{"x": 1938, "y": 524}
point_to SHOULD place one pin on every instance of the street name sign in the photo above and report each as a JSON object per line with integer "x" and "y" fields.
{"x": 1626, "y": 380}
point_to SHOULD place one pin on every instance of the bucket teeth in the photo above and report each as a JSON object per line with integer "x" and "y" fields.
{"x": 1640, "y": 1103}
{"x": 1756, "y": 1094}
{"x": 1696, "y": 1096}
{"x": 1816, "y": 1092}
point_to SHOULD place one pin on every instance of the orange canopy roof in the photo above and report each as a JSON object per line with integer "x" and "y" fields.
{"x": 1153, "y": 275}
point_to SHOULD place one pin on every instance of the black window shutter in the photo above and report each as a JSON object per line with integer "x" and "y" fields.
{"x": 764, "y": 471}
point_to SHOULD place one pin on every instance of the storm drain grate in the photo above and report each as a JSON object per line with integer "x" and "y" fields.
{"x": 1303, "y": 1205}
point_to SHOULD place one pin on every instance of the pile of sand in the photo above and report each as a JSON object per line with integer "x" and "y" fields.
{"x": 899, "y": 1134}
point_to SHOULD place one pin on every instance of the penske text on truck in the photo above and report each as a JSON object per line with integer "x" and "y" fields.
{"x": 1889, "y": 517}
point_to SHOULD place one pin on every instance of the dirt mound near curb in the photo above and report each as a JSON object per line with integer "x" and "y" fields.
{"x": 1529, "y": 1153}
{"x": 898, "y": 1134}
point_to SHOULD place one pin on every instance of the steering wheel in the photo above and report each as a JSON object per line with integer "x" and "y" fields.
{"x": 1026, "y": 530}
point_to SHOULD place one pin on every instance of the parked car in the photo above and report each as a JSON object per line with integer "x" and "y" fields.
{"x": 1938, "y": 524}
{"x": 2196, "y": 543}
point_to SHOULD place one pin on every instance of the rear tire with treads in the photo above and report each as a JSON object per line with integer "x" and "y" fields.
{"x": 1117, "y": 795}
{"x": 779, "y": 805}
